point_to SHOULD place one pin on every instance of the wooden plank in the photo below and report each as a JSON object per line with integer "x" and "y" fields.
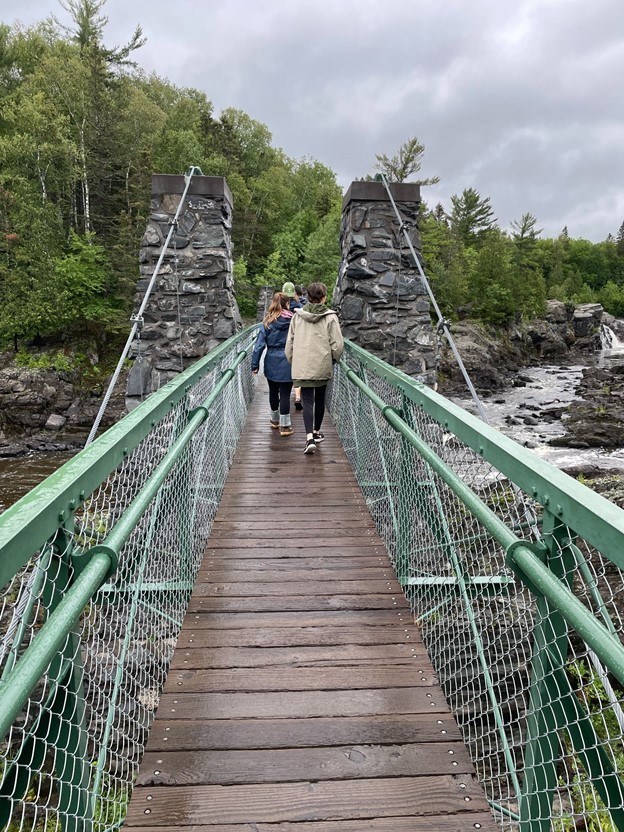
{"x": 325, "y": 800}
{"x": 226, "y": 576}
{"x": 389, "y": 729}
{"x": 201, "y": 768}
{"x": 253, "y": 531}
{"x": 293, "y": 551}
{"x": 451, "y": 823}
{"x": 300, "y": 505}
{"x": 262, "y": 522}
{"x": 297, "y": 602}
{"x": 248, "y": 590}
{"x": 286, "y": 564}
{"x": 306, "y": 487}
{"x": 317, "y": 618}
{"x": 332, "y": 513}
{"x": 295, "y": 637}
{"x": 302, "y": 704}
{"x": 290, "y": 542}
{"x": 323, "y": 656}
{"x": 288, "y": 679}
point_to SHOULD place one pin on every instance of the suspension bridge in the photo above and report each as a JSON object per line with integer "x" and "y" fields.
{"x": 418, "y": 628}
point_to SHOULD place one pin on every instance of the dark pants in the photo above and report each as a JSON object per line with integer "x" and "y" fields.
{"x": 313, "y": 399}
{"x": 279, "y": 396}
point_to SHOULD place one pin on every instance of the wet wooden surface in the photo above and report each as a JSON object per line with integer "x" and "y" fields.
{"x": 300, "y": 696}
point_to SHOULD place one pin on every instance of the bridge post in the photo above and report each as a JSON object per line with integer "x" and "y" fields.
{"x": 380, "y": 296}
{"x": 192, "y": 307}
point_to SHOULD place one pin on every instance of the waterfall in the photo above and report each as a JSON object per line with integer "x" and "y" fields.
{"x": 608, "y": 339}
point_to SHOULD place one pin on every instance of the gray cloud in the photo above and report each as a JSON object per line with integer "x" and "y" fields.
{"x": 522, "y": 101}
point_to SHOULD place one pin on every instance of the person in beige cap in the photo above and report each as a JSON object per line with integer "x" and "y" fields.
{"x": 290, "y": 290}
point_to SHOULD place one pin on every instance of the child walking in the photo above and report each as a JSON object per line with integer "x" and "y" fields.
{"x": 314, "y": 344}
{"x": 272, "y": 336}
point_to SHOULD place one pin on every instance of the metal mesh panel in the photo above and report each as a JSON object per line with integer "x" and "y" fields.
{"x": 539, "y": 713}
{"x": 74, "y": 751}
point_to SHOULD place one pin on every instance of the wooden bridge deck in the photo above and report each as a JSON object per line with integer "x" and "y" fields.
{"x": 300, "y": 695}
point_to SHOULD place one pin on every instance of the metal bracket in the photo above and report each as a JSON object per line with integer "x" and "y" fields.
{"x": 539, "y": 549}
{"x": 80, "y": 561}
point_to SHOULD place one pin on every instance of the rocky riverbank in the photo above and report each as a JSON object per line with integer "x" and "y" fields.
{"x": 494, "y": 356}
{"x": 52, "y": 409}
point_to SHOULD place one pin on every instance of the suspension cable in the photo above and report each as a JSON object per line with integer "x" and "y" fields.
{"x": 442, "y": 322}
{"x": 443, "y": 325}
{"x": 137, "y": 319}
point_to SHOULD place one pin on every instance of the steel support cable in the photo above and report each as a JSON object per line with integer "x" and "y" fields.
{"x": 138, "y": 318}
{"x": 442, "y": 322}
{"x": 443, "y": 325}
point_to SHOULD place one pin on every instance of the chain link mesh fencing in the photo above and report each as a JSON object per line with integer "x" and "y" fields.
{"x": 70, "y": 758}
{"x": 539, "y": 712}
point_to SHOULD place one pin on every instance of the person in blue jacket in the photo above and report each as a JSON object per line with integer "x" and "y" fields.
{"x": 294, "y": 297}
{"x": 272, "y": 337}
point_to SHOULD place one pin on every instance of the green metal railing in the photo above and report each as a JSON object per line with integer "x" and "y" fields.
{"x": 97, "y": 565}
{"x": 514, "y": 573}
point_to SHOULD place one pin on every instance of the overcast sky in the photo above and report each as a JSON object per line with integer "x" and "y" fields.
{"x": 521, "y": 99}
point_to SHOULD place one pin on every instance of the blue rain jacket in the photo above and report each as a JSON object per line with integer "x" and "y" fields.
{"x": 273, "y": 339}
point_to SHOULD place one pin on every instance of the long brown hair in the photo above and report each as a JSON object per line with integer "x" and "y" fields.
{"x": 278, "y": 304}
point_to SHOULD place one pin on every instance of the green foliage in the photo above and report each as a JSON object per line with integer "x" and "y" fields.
{"x": 471, "y": 216}
{"x": 45, "y": 361}
{"x": 585, "y": 800}
{"x": 81, "y": 131}
{"x": 406, "y": 161}
{"x": 611, "y": 296}
{"x": 491, "y": 280}
{"x": 321, "y": 258}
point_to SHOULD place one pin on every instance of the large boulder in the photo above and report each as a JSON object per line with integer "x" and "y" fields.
{"x": 37, "y": 402}
{"x": 490, "y": 356}
{"x": 586, "y": 320}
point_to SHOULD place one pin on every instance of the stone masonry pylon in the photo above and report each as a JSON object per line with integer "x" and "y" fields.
{"x": 380, "y": 296}
{"x": 192, "y": 307}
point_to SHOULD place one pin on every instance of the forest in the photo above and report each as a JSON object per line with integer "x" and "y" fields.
{"x": 82, "y": 128}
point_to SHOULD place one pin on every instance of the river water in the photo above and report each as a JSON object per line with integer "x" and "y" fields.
{"x": 531, "y": 414}
{"x": 19, "y": 474}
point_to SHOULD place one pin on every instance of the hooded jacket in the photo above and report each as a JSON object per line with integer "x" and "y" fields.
{"x": 273, "y": 338}
{"x": 314, "y": 343}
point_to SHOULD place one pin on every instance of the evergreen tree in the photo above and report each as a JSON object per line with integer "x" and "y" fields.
{"x": 524, "y": 235}
{"x": 471, "y": 216}
{"x": 619, "y": 241}
{"x": 491, "y": 280}
{"x": 406, "y": 161}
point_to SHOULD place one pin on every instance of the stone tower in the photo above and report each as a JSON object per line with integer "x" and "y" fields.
{"x": 192, "y": 307}
{"x": 383, "y": 304}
